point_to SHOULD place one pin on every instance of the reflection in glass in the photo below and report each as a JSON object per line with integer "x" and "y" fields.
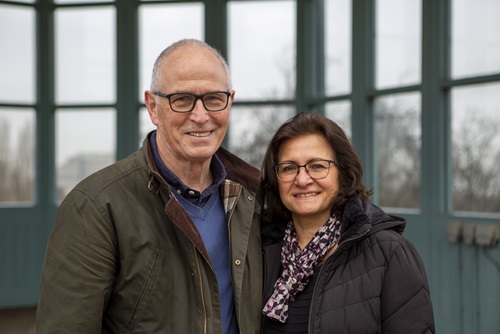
{"x": 340, "y": 113}
{"x": 398, "y": 42}
{"x": 251, "y": 129}
{"x": 17, "y": 155}
{"x": 85, "y": 55}
{"x": 17, "y": 55}
{"x": 476, "y": 148}
{"x": 160, "y": 26}
{"x": 85, "y": 143}
{"x": 338, "y": 47}
{"x": 399, "y": 141}
{"x": 475, "y": 39}
{"x": 262, "y": 49}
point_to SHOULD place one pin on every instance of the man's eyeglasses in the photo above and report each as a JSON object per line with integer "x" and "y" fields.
{"x": 185, "y": 102}
{"x": 317, "y": 169}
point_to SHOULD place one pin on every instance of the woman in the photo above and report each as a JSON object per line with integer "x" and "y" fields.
{"x": 334, "y": 262}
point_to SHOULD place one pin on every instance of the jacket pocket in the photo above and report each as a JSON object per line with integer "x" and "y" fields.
{"x": 150, "y": 274}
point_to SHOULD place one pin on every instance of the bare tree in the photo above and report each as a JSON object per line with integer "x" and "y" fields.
{"x": 24, "y": 166}
{"x": 398, "y": 155}
{"x": 476, "y": 152}
{"x": 252, "y": 128}
{"x": 250, "y": 142}
{"x": 16, "y": 168}
{"x": 4, "y": 160}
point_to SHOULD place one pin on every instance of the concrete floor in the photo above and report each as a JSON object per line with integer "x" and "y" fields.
{"x": 18, "y": 321}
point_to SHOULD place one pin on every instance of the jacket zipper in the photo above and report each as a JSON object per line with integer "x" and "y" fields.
{"x": 201, "y": 291}
{"x": 315, "y": 290}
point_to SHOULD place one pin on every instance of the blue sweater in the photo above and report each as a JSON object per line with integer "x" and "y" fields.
{"x": 207, "y": 212}
{"x": 212, "y": 224}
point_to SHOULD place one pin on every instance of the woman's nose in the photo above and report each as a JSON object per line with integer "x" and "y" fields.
{"x": 303, "y": 176}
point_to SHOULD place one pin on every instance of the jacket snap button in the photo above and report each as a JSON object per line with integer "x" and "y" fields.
{"x": 237, "y": 262}
{"x": 250, "y": 198}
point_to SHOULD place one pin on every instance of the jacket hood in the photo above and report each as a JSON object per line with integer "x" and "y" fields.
{"x": 360, "y": 216}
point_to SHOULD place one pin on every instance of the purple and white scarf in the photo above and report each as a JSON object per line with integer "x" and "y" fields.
{"x": 298, "y": 265}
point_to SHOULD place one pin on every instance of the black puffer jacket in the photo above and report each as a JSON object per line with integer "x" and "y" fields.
{"x": 375, "y": 282}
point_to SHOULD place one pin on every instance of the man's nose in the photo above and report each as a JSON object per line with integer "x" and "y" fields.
{"x": 199, "y": 114}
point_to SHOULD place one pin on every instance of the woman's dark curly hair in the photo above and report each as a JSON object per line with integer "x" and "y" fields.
{"x": 347, "y": 161}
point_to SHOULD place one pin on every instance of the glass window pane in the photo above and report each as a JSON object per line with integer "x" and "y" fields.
{"x": 85, "y": 55}
{"x": 475, "y": 26}
{"x": 78, "y": 1}
{"x": 398, "y": 42}
{"x": 17, "y": 155}
{"x": 85, "y": 143}
{"x": 338, "y": 47}
{"x": 398, "y": 139}
{"x": 160, "y": 26}
{"x": 476, "y": 148}
{"x": 262, "y": 45}
{"x": 251, "y": 129}
{"x": 340, "y": 113}
{"x": 17, "y": 58}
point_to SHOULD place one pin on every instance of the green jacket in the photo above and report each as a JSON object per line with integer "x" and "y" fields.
{"x": 124, "y": 256}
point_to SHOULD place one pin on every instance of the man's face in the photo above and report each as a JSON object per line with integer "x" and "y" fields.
{"x": 196, "y": 135}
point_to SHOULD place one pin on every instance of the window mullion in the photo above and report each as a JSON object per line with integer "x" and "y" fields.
{"x": 363, "y": 25}
{"x": 127, "y": 80}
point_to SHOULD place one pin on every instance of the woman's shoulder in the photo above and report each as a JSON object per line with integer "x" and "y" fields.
{"x": 390, "y": 242}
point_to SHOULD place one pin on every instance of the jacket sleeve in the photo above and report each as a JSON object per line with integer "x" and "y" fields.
{"x": 405, "y": 300}
{"x": 79, "y": 269}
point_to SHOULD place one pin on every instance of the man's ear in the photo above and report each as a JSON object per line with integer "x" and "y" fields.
{"x": 150, "y": 101}
{"x": 231, "y": 97}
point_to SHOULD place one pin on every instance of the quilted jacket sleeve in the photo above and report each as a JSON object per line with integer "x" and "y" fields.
{"x": 405, "y": 298}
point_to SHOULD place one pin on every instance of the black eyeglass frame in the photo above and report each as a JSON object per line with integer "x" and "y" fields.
{"x": 196, "y": 98}
{"x": 307, "y": 171}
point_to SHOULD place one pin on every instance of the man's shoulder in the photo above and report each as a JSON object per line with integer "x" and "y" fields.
{"x": 125, "y": 170}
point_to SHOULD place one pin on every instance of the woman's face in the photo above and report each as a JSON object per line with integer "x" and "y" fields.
{"x": 308, "y": 199}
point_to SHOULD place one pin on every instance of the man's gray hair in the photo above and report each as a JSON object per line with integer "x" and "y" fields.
{"x": 156, "y": 78}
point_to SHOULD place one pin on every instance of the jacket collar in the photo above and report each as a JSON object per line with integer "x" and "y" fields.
{"x": 360, "y": 215}
{"x": 238, "y": 170}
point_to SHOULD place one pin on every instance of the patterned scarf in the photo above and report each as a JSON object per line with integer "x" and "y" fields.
{"x": 298, "y": 265}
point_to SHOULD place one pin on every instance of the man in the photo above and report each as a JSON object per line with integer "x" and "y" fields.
{"x": 167, "y": 239}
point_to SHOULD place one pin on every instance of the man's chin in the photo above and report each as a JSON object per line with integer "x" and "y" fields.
{"x": 202, "y": 153}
